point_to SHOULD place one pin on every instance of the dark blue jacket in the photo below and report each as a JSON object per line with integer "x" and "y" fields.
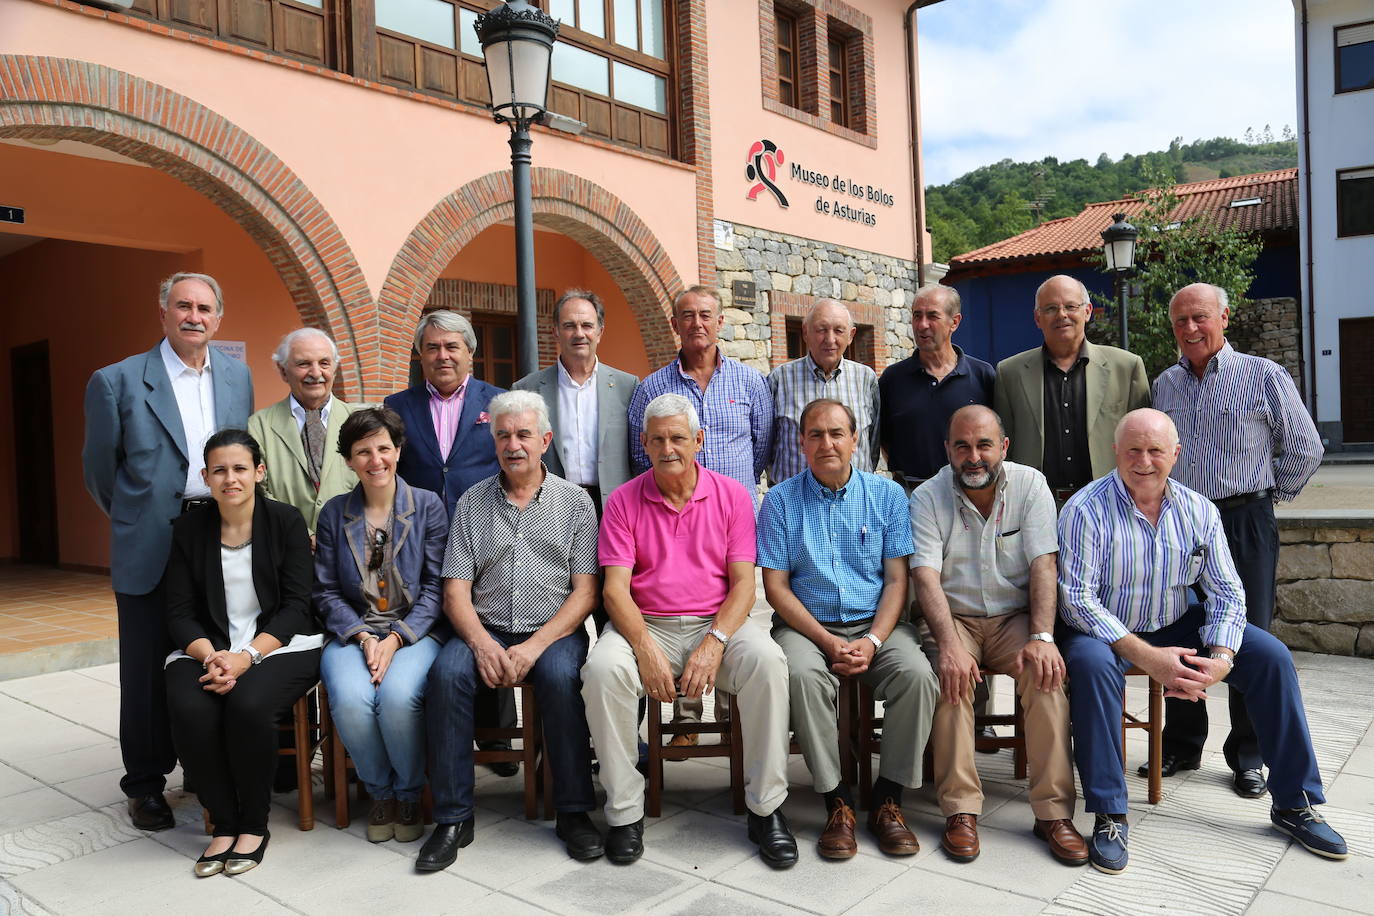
{"x": 473, "y": 455}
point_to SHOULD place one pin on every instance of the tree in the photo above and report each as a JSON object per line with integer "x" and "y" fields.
{"x": 1170, "y": 254}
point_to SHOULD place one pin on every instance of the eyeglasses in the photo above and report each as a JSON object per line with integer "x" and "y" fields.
{"x": 1070, "y": 309}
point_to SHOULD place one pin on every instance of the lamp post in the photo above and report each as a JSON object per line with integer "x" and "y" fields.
{"x": 1118, "y": 249}
{"x": 517, "y": 42}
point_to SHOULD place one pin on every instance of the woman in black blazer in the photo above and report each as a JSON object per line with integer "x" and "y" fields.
{"x": 238, "y": 604}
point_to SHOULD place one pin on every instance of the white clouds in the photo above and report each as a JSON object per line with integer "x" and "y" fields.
{"x": 1075, "y": 78}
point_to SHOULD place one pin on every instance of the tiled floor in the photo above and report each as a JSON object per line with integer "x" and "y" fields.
{"x": 41, "y": 607}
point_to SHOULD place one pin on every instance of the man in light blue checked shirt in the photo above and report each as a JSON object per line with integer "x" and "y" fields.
{"x": 1248, "y": 442}
{"x": 823, "y": 372}
{"x": 833, "y": 543}
{"x": 1132, "y": 545}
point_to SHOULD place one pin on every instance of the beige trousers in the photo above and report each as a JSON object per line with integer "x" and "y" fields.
{"x": 995, "y": 642}
{"x": 753, "y": 669}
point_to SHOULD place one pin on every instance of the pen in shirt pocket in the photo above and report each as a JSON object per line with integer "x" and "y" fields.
{"x": 863, "y": 534}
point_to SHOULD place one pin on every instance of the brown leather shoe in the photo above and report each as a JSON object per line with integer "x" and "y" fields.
{"x": 887, "y": 824}
{"x": 688, "y": 740}
{"x": 1066, "y": 843}
{"x": 837, "y": 839}
{"x": 960, "y": 841}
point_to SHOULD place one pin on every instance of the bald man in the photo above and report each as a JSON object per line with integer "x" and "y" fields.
{"x": 1126, "y": 597}
{"x": 828, "y": 331}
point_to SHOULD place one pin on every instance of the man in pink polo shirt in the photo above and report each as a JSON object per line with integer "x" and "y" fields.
{"x": 677, "y": 547}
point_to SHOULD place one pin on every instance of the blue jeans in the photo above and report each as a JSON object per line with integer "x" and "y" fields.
{"x": 557, "y": 681}
{"x": 1264, "y": 672}
{"x": 383, "y": 727}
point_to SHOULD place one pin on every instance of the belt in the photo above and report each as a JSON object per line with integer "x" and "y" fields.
{"x": 188, "y": 504}
{"x": 1230, "y": 502}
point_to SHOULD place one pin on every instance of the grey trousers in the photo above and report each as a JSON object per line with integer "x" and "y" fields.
{"x": 900, "y": 676}
{"x": 753, "y": 669}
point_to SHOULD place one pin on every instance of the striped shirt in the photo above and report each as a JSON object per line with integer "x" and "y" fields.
{"x": 794, "y": 385}
{"x": 833, "y": 543}
{"x": 1119, "y": 574}
{"x": 735, "y": 410}
{"x": 446, "y": 413}
{"x": 521, "y": 561}
{"x": 1243, "y": 427}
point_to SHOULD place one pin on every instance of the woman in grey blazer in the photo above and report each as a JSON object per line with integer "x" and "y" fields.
{"x": 378, "y": 555}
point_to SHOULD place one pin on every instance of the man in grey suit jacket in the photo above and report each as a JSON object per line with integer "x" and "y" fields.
{"x": 587, "y": 401}
{"x": 1082, "y": 388}
{"x": 299, "y": 434}
{"x": 147, "y": 419}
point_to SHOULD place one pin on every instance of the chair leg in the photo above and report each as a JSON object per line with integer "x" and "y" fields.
{"x": 863, "y": 749}
{"x": 653, "y": 796}
{"x": 327, "y": 741}
{"x": 1156, "y": 732}
{"x": 305, "y": 789}
{"x": 338, "y": 766}
{"x": 1019, "y": 731}
{"x": 849, "y": 752}
{"x": 529, "y": 749}
{"x": 736, "y": 760}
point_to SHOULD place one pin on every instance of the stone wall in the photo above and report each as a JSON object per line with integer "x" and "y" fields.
{"x": 1325, "y": 599}
{"x": 878, "y": 288}
{"x": 1269, "y": 328}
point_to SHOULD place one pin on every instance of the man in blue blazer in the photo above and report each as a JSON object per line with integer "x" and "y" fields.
{"x": 448, "y": 447}
{"x": 147, "y": 419}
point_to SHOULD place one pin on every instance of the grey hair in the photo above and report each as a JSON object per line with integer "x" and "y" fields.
{"x": 953, "y": 305}
{"x": 698, "y": 290}
{"x": 575, "y": 293}
{"x": 1223, "y": 300}
{"x": 513, "y": 402}
{"x": 446, "y": 320}
{"x": 824, "y": 302}
{"x": 1082, "y": 288}
{"x": 282, "y": 354}
{"x": 673, "y": 405}
{"x": 164, "y": 291}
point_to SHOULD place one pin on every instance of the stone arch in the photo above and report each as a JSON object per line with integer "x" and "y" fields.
{"x": 582, "y": 210}
{"x": 51, "y": 97}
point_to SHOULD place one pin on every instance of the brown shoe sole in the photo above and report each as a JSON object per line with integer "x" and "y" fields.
{"x": 957, "y": 856}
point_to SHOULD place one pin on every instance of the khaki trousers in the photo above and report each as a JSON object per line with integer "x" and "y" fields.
{"x": 995, "y": 642}
{"x": 900, "y": 676}
{"x": 753, "y": 669}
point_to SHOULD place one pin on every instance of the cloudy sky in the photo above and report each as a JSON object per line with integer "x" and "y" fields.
{"x": 1025, "y": 79}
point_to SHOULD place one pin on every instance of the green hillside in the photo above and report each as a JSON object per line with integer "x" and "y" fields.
{"x": 998, "y": 201}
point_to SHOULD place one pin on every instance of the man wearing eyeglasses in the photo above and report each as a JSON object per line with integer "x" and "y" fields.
{"x": 1061, "y": 401}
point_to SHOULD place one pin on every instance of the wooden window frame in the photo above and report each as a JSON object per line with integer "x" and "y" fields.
{"x": 327, "y": 14}
{"x": 817, "y": 22}
{"x": 789, "y": 77}
{"x": 1340, "y": 207}
{"x": 834, "y": 45}
{"x": 1336, "y": 55}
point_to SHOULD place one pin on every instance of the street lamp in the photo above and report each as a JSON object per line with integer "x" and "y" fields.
{"x": 1118, "y": 249}
{"x": 517, "y": 42}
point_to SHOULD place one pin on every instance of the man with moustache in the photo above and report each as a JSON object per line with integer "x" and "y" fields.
{"x": 823, "y": 372}
{"x": 1134, "y": 545}
{"x": 299, "y": 434}
{"x": 984, "y": 570}
{"x": 1248, "y": 443}
{"x": 147, "y": 419}
{"x": 1060, "y": 402}
{"x": 519, "y": 582}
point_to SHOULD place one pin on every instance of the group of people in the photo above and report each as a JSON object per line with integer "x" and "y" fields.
{"x": 593, "y": 538}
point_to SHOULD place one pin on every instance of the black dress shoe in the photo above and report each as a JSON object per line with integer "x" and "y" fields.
{"x": 151, "y": 812}
{"x": 987, "y": 731}
{"x": 1172, "y": 763}
{"x": 777, "y": 846}
{"x": 579, "y": 835}
{"x": 1249, "y": 783}
{"x": 441, "y": 849}
{"x": 625, "y": 844}
{"x": 505, "y": 768}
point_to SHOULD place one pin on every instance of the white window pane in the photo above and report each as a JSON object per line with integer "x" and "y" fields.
{"x": 431, "y": 20}
{"x": 593, "y": 18}
{"x": 651, "y": 18}
{"x": 562, "y": 10}
{"x": 636, "y": 87}
{"x": 626, "y": 24}
{"x": 580, "y": 68}
{"x": 317, "y": 4}
{"x": 467, "y": 29}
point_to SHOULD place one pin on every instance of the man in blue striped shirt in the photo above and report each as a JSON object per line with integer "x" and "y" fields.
{"x": 1248, "y": 442}
{"x": 1132, "y": 545}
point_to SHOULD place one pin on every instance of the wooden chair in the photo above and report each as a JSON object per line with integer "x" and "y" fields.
{"x": 1153, "y": 723}
{"x": 731, "y": 745}
{"x": 1016, "y": 741}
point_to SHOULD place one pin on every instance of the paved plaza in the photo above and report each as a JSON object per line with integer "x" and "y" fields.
{"x": 66, "y": 846}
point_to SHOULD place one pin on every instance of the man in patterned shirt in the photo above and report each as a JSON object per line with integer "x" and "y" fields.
{"x": 1132, "y": 545}
{"x": 822, "y": 373}
{"x": 1248, "y": 442}
{"x": 519, "y": 581}
{"x": 833, "y": 543}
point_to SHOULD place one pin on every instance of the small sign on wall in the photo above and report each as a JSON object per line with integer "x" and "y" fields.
{"x": 744, "y": 293}
{"x": 234, "y": 349}
{"x": 725, "y": 235}
{"x": 11, "y": 214}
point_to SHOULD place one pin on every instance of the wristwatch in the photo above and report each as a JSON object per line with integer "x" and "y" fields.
{"x": 253, "y": 654}
{"x": 1043, "y": 637}
{"x": 1219, "y": 655}
{"x": 877, "y": 643}
{"x": 719, "y": 634}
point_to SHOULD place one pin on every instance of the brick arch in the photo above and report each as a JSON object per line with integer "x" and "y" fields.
{"x": 585, "y": 212}
{"x": 50, "y": 97}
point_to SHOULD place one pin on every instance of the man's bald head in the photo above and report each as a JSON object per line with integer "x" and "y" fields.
{"x": 976, "y": 445}
{"x": 1148, "y": 419}
{"x": 976, "y": 414}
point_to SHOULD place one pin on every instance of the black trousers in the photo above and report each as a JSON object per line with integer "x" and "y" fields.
{"x": 145, "y": 736}
{"x": 1253, "y": 536}
{"x": 228, "y": 744}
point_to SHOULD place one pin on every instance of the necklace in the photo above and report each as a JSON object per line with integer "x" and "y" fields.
{"x": 236, "y": 546}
